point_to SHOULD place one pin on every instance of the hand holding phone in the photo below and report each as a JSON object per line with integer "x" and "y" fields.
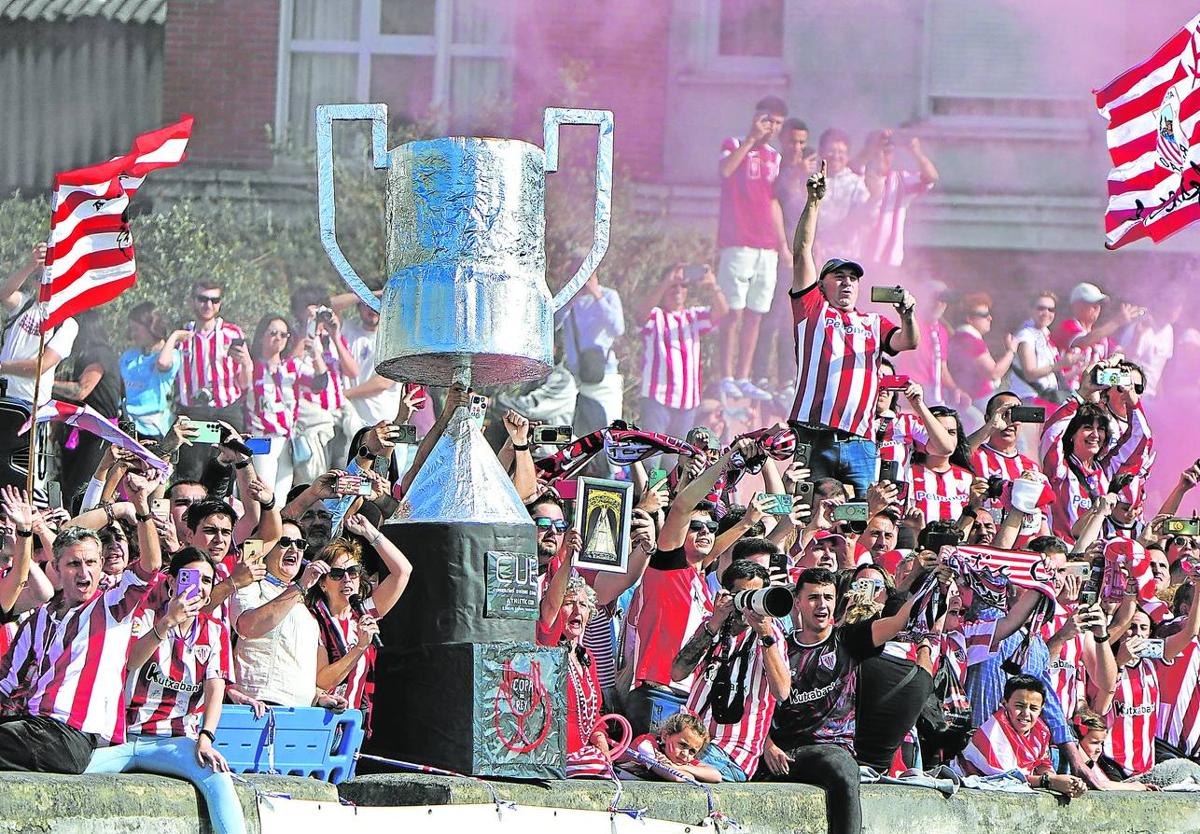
{"x": 887, "y": 295}
{"x": 187, "y": 583}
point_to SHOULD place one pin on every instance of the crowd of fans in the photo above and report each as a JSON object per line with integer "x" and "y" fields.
{"x": 912, "y": 463}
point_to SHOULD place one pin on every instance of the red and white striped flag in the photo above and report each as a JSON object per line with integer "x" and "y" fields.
{"x": 1132, "y": 556}
{"x": 89, "y": 259}
{"x": 1153, "y": 112}
{"x": 90, "y": 420}
{"x": 998, "y": 747}
{"x": 1025, "y": 570}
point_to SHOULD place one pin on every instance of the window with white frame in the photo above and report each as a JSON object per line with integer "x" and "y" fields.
{"x": 445, "y": 60}
{"x": 739, "y": 36}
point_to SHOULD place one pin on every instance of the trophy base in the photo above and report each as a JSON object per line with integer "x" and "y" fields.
{"x": 487, "y": 369}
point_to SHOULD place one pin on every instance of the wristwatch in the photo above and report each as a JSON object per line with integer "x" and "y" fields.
{"x": 211, "y": 736}
{"x": 768, "y": 640}
{"x": 1044, "y": 782}
{"x": 364, "y": 452}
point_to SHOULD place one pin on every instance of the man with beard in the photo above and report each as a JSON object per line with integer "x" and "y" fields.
{"x": 673, "y": 598}
{"x": 812, "y": 734}
{"x": 737, "y": 650}
{"x": 82, "y": 635}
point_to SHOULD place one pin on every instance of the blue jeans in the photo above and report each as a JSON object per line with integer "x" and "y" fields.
{"x": 176, "y": 756}
{"x": 716, "y": 757}
{"x": 851, "y": 459}
{"x": 675, "y": 422}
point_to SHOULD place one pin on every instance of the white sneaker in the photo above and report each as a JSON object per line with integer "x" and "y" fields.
{"x": 729, "y": 388}
{"x": 752, "y": 391}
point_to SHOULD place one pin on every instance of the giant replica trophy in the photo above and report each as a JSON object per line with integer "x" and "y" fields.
{"x": 459, "y": 682}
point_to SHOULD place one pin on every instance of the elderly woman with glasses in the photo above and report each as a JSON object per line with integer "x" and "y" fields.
{"x": 348, "y": 607}
{"x": 969, "y": 359}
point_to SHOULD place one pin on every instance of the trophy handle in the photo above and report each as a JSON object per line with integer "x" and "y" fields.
{"x": 326, "y": 113}
{"x": 603, "y": 119}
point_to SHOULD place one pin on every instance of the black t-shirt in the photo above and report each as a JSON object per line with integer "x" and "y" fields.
{"x": 820, "y": 709}
{"x": 110, "y": 390}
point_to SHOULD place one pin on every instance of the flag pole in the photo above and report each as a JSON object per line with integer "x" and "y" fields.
{"x": 31, "y": 476}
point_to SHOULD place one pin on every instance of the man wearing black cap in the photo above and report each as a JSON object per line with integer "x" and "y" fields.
{"x": 838, "y": 351}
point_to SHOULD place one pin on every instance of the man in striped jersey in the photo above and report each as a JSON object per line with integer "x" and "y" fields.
{"x": 838, "y": 351}
{"x": 62, "y": 679}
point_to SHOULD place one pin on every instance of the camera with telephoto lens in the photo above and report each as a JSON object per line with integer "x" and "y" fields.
{"x": 775, "y": 601}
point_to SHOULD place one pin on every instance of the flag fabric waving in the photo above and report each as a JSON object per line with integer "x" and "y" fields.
{"x": 88, "y": 419}
{"x": 1153, "y": 112}
{"x": 89, "y": 259}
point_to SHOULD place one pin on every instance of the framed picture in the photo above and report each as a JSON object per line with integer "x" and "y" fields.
{"x": 602, "y": 512}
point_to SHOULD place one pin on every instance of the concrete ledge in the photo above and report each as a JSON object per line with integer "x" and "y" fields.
{"x": 127, "y": 804}
{"x": 799, "y": 809}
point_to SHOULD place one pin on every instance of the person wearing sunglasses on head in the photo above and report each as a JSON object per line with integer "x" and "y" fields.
{"x": 970, "y": 359}
{"x": 347, "y": 606}
{"x": 275, "y": 659}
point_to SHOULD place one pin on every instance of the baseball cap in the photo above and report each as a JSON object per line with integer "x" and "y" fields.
{"x": 1087, "y": 293}
{"x": 703, "y": 437}
{"x": 822, "y": 535}
{"x": 841, "y": 263}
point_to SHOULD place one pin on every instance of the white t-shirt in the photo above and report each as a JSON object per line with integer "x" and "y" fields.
{"x": 1151, "y": 350}
{"x": 381, "y": 406}
{"x": 21, "y": 342}
{"x": 280, "y": 666}
{"x": 1044, "y": 353}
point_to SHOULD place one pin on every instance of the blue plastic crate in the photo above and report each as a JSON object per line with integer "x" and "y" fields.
{"x": 308, "y": 741}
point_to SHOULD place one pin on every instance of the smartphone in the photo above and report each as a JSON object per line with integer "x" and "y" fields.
{"x": 407, "y": 434}
{"x": 160, "y": 508}
{"x": 252, "y": 550}
{"x": 894, "y": 382}
{"x": 1152, "y": 648}
{"x": 54, "y": 494}
{"x": 803, "y": 454}
{"x": 655, "y": 477}
{"x": 889, "y": 470}
{"x": 1108, "y": 377}
{"x": 692, "y": 273}
{"x": 779, "y": 504}
{"x": 237, "y": 343}
{"x": 887, "y": 295}
{"x": 382, "y": 465}
{"x": 552, "y": 435}
{"x": 1183, "y": 526}
{"x": 187, "y": 583}
{"x": 1089, "y": 595}
{"x": 259, "y": 445}
{"x": 864, "y": 587}
{"x": 208, "y": 432}
{"x": 805, "y": 490}
{"x": 853, "y": 511}
{"x": 353, "y": 485}
{"x": 1027, "y": 414}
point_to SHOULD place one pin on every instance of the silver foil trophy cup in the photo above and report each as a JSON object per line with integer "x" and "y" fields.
{"x": 466, "y": 295}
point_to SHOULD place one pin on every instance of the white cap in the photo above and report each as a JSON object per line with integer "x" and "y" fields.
{"x": 1087, "y": 293}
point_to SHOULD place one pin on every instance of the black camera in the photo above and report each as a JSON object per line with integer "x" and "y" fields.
{"x": 995, "y": 487}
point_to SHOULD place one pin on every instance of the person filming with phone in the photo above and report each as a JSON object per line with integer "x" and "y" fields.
{"x": 838, "y": 352}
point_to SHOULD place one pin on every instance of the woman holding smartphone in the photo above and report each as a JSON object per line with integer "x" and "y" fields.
{"x": 179, "y": 663}
{"x": 274, "y": 396}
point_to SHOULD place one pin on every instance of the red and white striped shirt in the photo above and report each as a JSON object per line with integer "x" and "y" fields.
{"x": 987, "y": 462}
{"x": 941, "y": 496}
{"x": 1067, "y": 674}
{"x": 355, "y": 683}
{"x": 1133, "y": 718}
{"x": 1073, "y": 495}
{"x": 73, "y": 667}
{"x": 671, "y": 355}
{"x": 330, "y": 397}
{"x": 838, "y": 355}
{"x": 166, "y": 696}
{"x": 906, "y": 650}
{"x": 207, "y": 366}
{"x": 899, "y": 437}
{"x": 968, "y": 645}
{"x": 272, "y": 411}
{"x": 1179, "y": 701}
{"x": 743, "y": 742}
{"x": 885, "y": 230}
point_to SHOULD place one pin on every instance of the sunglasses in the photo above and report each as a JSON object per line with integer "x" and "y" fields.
{"x": 1181, "y": 541}
{"x": 278, "y": 334}
{"x": 545, "y": 523}
{"x": 981, "y": 314}
{"x": 211, "y": 299}
{"x": 697, "y": 525}
{"x": 1044, "y": 309}
{"x": 286, "y": 542}
{"x": 336, "y": 574}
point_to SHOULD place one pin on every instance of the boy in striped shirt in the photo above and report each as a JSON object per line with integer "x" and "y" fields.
{"x": 838, "y": 352}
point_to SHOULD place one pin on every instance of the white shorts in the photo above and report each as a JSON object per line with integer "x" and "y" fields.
{"x": 747, "y": 277}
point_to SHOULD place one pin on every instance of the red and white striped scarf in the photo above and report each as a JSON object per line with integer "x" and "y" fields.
{"x": 997, "y": 747}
